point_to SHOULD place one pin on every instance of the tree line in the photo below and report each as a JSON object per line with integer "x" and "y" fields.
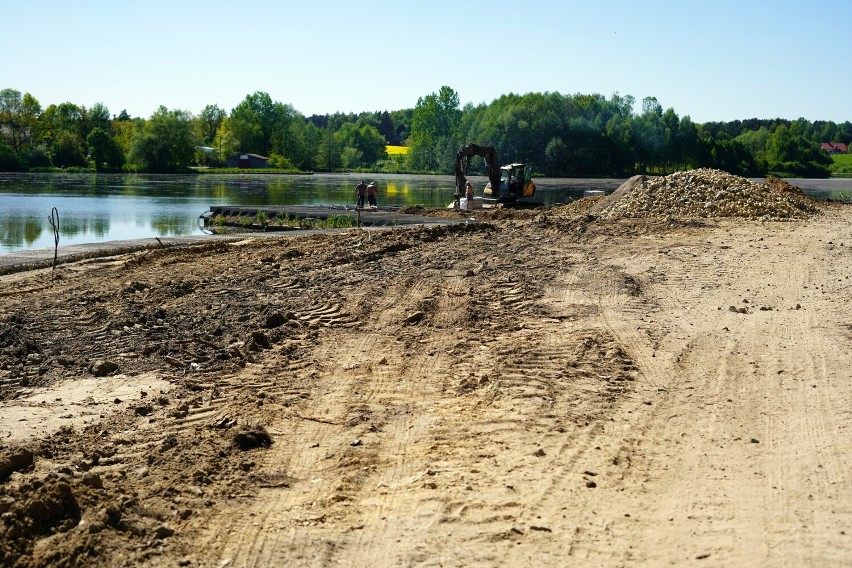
{"x": 560, "y": 135}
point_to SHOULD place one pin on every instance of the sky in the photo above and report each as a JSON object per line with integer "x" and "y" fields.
{"x": 718, "y": 60}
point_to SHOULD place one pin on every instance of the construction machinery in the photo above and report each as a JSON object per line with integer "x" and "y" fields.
{"x": 506, "y": 184}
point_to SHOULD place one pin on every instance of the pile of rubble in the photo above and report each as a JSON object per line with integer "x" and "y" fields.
{"x": 706, "y": 193}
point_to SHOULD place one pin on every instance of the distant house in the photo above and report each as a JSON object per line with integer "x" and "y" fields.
{"x": 834, "y": 147}
{"x": 246, "y": 161}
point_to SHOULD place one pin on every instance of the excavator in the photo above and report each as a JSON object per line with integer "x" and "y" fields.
{"x": 506, "y": 184}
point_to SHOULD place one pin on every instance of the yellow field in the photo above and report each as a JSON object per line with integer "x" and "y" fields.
{"x": 396, "y": 150}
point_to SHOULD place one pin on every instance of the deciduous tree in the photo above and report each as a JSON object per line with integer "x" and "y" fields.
{"x": 166, "y": 143}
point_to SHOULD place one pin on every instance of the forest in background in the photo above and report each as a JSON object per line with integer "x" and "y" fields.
{"x": 560, "y": 135}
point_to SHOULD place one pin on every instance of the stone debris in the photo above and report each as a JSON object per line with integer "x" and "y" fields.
{"x": 707, "y": 193}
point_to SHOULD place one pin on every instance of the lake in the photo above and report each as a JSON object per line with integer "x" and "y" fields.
{"x": 107, "y": 207}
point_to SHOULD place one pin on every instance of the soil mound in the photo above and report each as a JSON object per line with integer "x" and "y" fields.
{"x": 706, "y": 193}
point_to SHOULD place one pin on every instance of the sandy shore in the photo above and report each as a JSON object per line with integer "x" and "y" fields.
{"x": 544, "y": 389}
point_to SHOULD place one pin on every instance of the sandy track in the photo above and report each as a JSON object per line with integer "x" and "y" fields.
{"x": 536, "y": 392}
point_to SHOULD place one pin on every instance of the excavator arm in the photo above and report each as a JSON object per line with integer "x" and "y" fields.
{"x": 492, "y": 166}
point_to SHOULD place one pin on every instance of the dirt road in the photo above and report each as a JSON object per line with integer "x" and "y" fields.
{"x": 544, "y": 390}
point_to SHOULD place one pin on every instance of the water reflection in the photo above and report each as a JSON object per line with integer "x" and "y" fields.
{"x": 20, "y": 231}
{"x": 74, "y": 226}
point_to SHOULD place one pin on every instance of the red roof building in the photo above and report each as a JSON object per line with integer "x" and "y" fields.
{"x": 834, "y": 147}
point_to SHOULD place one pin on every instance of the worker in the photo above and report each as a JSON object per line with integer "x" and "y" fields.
{"x": 361, "y": 190}
{"x": 469, "y": 195}
{"x": 372, "y": 192}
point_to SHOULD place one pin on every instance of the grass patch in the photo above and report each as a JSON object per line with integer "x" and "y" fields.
{"x": 842, "y": 164}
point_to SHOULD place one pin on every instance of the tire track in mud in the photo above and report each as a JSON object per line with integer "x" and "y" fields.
{"x": 215, "y": 396}
{"x": 599, "y": 372}
{"x": 715, "y": 497}
{"x": 525, "y": 392}
{"x": 296, "y": 467}
{"x": 405, "y": 425}
{"x": 658, "y": 356}
{"x": 356, "y": 397}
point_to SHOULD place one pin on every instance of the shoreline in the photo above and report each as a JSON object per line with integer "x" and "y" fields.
{"x": 35, "y": 259}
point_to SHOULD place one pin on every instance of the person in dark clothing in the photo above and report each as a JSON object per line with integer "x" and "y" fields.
{"x": 361, "y": 190}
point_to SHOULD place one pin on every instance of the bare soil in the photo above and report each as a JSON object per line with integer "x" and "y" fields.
{"x": 540, "y": 389}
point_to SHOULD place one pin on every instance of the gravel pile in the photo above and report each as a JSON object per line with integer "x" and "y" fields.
{"x": 706, "y": 193}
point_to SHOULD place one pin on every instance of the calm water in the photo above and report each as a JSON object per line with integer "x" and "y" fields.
{"x": 104, "y": 207}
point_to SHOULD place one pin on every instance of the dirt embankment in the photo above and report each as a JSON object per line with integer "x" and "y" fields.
{"x": 551, "y": 387}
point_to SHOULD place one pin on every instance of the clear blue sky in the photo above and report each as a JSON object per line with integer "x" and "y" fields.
{"x": 719, "y": 60}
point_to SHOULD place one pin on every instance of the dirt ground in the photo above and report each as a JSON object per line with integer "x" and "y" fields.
{"x": 538, "y": 389}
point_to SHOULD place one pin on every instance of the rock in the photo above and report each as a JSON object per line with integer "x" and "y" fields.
{"x": 102, "y": 368}
{"x": 51, "y": 506}
{"x": 274, "y": 320}
{"x": 414, "y": 317}
{"x": 92, "y": 480}
{"x": 15, "y": 459}
{"x": 591, "y": 484}
{"x": 6, "y": 503}
{"x": 356, "y": 442}
{"x": 252, "y": 436}
{"x": 539, "y": 453}
{"x": 144, "y": 409}
{"x": 111, "y": 515}
{"x": 259, "y": 341}
{"x": 163, "y": 531}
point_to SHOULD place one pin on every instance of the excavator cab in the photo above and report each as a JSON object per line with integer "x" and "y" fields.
{"x": 515, "y": 182}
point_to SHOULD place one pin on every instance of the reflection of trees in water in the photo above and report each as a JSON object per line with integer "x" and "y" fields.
{"x": 72, "y": 226}
{"x": 15, "y": 232}
{"x": 168, "y": 226}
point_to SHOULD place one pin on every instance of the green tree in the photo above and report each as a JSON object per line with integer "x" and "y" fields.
{"x": 209, "y": 121}
{"x": 284, "y": 137}
{"x": 19, "y": 120}
{"x": 649, "y": 135}
{"x": 67, "y": 150}
{"x": 733, "y": 157}
{"x": 556, "y": 157}
{"x": 97, "y": 117}
{"x": 252, "y": 121}
{"x": 106, "y": 153}
{"x": 329, "y": 150}
{"x": 433, "y": 125}
{"x": 9, "y": 161}
{"x": 365, "y": 139}
{"x": 225, "y": 144}
{"x": 789, "y": 151}
{"x": 166, "y": 143}
{"x": 351, "y": 157}
{"x": 757, "y": 142}
{"x": 63, "y": 127}
{"x": 301, "y": 143}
